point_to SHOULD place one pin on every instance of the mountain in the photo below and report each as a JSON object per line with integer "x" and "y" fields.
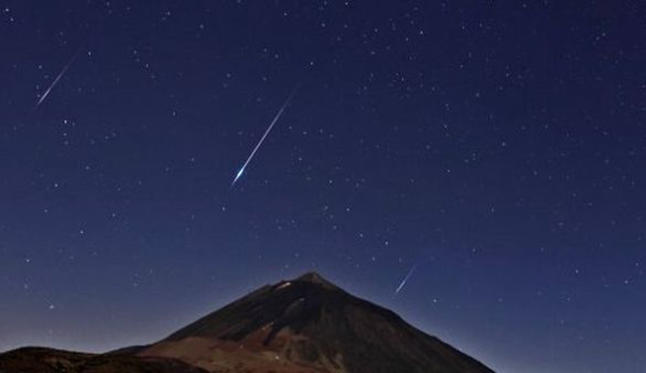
{"x": 305, "y": 325}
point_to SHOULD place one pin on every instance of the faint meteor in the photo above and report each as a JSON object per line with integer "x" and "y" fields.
{"x": 271, "y": 125}
{"x": 405, "y": 280}
{"x": 60, "y": 75}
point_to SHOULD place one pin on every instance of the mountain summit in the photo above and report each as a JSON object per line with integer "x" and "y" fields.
{"x": 304, "y": 325}
{"x": 309, "y": 325}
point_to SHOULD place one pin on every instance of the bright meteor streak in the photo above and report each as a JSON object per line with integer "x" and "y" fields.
{"x": 60, "y": 75}
{"x": 255, "y": 149}
{"x": 405, "y": 280}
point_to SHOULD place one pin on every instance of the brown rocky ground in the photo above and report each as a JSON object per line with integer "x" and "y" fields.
{"x": 46, "y": 360}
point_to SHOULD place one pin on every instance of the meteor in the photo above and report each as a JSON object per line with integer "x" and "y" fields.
{"x": 405, "y": 280}
{"x": 271, "y": 125}
{"x": 60, "y": 75}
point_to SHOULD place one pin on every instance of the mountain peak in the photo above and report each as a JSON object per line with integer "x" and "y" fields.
{"x": 315, "y": 278}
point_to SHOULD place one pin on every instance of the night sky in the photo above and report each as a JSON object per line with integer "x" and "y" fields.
{"x": 497, "y": 149}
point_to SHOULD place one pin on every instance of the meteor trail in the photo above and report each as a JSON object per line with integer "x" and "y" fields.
{"x": 271, "y": 125}
{"x": 405, "y": 280}
{"x": 60, "y": 75}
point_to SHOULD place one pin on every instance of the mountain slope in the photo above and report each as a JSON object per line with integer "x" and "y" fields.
{"x": 309, "y": 325}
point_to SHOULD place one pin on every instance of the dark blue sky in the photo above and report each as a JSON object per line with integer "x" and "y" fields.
{"x": 498, "y": 146}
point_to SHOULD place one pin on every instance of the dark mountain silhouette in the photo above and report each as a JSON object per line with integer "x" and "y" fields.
{"x": 305, "y": 325}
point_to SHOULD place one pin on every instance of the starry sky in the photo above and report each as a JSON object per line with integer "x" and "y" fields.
{"x": 496, "y": 147}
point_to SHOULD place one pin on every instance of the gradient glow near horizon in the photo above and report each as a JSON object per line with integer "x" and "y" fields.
{"x": 497, "y": 148}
